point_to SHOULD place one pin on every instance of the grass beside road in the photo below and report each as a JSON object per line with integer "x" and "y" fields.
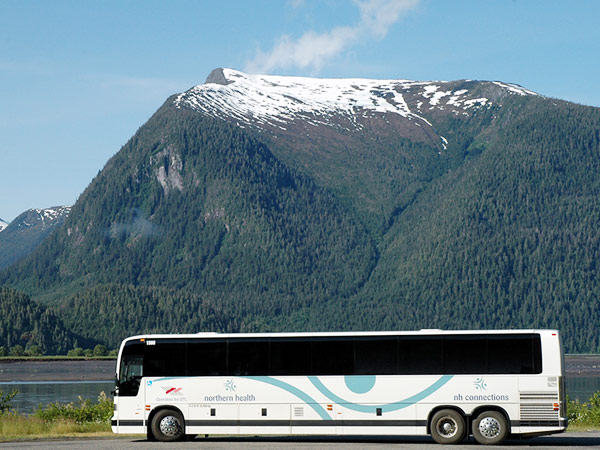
{"x": 18, "y": 427}
{"x": 584, "y": 416}
{"x": 82, "y": 419}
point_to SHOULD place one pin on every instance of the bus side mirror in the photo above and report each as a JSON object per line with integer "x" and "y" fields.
{"x": 116, "y": 389}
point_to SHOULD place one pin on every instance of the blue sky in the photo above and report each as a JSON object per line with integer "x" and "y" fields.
{"x": 79, "y": 77}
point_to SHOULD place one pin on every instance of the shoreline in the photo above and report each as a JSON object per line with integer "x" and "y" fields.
{"x": 42, "y": 370}
{"x": 582, "y": 366}
{"x": 45, "y": 369}
{"x": 56, "y": 358}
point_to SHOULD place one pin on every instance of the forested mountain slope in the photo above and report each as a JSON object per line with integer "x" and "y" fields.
{"x": 507, "y": 240}
{"x": 26, "y": 324}
{"x": 278, "y": 203}
{"x": 192, "y": 203}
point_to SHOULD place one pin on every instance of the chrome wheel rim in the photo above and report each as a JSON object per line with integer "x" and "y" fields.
{"x": 489, "y": 427}
{"x": 170, "y": 426}
{"x": 446, "y": 427}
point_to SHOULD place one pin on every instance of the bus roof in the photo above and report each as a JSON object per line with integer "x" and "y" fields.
{"x": 432, "y": 332}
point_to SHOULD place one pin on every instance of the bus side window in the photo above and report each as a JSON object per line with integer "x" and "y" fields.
{"x": 206, "y": 358}
{"x": 248, "y": 357}
{"x": 420, "y": 355}
{"x": 332, "y": 356}
{"x": 515, "y": 354}
{"x": 465, "y": 354}
{"x": 376, "y": 355}
{"x": 165, "y": 359}
{"x": 289, "y": 357}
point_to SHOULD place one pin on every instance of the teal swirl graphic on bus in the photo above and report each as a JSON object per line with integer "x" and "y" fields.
{"x": 394, "y": 406}
{"x": 316, "y": 382}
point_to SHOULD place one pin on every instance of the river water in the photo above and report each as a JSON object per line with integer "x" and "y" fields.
{"x": 31, "y": 394}
{"x": 43, "y": 382}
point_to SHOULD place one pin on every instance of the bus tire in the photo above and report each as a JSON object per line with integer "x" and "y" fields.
{"x": 447, "y": 427}
{"x": 167, "y": 425}
{"x": 490, "y": 427}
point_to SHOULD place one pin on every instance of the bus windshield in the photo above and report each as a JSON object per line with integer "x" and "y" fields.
{"x": 131, "y": 370}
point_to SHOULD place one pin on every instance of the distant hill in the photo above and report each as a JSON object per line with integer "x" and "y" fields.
{"x": 25, "y": 323}
{"x": 281, "y": 203}
{"x": 19, "y": 238}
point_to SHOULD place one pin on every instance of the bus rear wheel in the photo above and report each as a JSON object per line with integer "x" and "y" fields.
{"x": 490, "y": 427}
{"x": 447, "y": 427}
{"x": 167, "y": 425}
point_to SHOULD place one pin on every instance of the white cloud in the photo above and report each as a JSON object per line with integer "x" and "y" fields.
{"x": 23, "y": 67}
{"x": 379, "y": 15}
{"x": 312, "y": 50}
{"x": 296, "y": 3}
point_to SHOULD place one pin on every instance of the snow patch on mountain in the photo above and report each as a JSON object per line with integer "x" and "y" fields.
{"x": 3, "y": 225}
{"x": 53, "y": 213}
{"x": 42, "y": 217}
{"x": 514, "y": 88}
{"x": 49, "y": 215}
{"x": 276, "y": 101}
{"x": 431, "y": 92}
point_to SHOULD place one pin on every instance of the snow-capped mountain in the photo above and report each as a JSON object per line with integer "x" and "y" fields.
{"x": 3, "y": 225}
{"x": 27, "y": 231}
{"x": 254, "y": 201}
{"x": 299, "y": 117}
{"x": 42, "y": 218}
{"x": 276, "y": 102}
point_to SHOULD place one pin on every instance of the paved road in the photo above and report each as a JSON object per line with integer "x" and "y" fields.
{"x": 567, "y": 441}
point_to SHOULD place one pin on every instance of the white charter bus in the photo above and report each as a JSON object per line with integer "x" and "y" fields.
{"x": 447, "y": 384}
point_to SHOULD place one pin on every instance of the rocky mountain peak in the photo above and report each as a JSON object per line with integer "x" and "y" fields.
{"x": 268, "y": 101}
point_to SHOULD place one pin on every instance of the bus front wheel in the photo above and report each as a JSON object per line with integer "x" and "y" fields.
{"x": 490, "y": 427}
{"x": 447, "y": 427}
{"x": 167, "y": 425}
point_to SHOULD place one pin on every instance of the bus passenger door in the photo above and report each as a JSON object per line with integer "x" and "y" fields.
{"x": 130, "y": 397}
